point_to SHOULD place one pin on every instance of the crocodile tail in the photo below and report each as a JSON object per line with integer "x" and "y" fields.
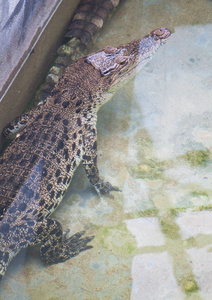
{"x": 89, "y": 18}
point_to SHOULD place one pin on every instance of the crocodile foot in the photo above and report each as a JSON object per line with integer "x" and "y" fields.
{"x": 104, "y": 188}
{"x": 76, "y": 244}
{"x": 56, "y": 246}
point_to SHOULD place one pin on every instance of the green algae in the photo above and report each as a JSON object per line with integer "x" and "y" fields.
{"x": 199, "y": 194}
{"x": 190, "y": 242}
{"x": 195, "y": 199}
{"x": 197, "y": 157}
{"x": 176, "y": 247}
{"x": 65, "y": 50}
{"x": 189, "y": 284}
{"x": 170, "y": 229}
{"x": 153, "y": 212}
{"x": 173, "y": 212}
{"x": 205, "y": 207}
{"x": 203, "y": 240}
{"x": 148, "y": 213}
{"x": 149, "y": 169}
{"x": 169, "y": 226}
{"x": 117, "y": 239}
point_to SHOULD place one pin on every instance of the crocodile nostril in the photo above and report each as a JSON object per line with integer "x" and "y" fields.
{"x": 161, "y": 33}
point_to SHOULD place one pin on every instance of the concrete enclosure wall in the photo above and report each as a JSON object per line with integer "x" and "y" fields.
{"x": 20, "y": 25}
{"x": 30, "y": 33}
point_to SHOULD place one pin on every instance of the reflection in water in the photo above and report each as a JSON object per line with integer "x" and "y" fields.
{"x": 176, "y": 113}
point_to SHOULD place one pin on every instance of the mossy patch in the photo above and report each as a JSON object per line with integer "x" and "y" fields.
{"x": 203, "y": 207}
{"x": 148, "y": 213}
{"x": 170, "y": 229}
{"x": 168, "y": 225}
{"x": 199, "y": 194}
{"x": 173, "y": 212}
{"x": 194, "y": 199}
{"x": 190, "y": 285}
{"x": 116, "y": 239}
{"x": 149, "y": 169}
{"x": 190, "y": 242}
{"x": 147, "y": 166}
{"x": 197, "y": 157}
{"x": 65, "y": 50}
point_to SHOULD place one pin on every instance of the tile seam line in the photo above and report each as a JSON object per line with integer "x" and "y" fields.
{"x": 33, "y": 46}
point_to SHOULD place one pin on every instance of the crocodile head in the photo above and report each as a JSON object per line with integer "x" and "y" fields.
{"x": 116, "y": 65}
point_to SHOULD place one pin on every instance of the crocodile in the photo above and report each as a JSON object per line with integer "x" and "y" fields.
{"x": 54, "y": 138}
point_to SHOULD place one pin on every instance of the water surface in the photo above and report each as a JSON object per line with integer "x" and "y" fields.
{"x": 154, "y": 239}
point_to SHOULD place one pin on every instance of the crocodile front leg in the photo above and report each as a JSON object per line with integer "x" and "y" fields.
{"x": 16, "y": 125}
{"x": 56, "y": 247}
{"x": 90, "y": 163}
{"x": 20, "y": 122}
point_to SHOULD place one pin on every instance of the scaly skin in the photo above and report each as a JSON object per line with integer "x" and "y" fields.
{"x": 56, "y": 136}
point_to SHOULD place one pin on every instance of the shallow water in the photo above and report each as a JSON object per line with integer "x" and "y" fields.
{"x": 154, "y": 239}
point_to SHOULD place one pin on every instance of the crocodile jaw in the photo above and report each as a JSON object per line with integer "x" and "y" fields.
{"x": 118, "y": 65}
{"x": 141, "y": 53}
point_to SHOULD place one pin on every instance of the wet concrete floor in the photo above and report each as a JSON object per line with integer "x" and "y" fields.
{"x": 154, "y": 239}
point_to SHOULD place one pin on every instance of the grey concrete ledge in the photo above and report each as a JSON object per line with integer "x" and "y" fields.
{"x": 30, "y": 33}
{"x": 22, "y": 21}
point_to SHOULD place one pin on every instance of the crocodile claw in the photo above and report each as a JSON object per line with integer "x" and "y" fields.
{"x": 76, "y": 244}
{"x": 106, "y": 188}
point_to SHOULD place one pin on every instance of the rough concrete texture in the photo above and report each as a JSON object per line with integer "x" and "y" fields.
{"x": 21, "y": 23}
{"x": 153, "y": 240}
{"x": 153, "y": 278}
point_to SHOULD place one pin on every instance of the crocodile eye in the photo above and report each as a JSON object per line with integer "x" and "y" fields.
{"x": 111, "y": 49}
{"x": 121, "y": 60}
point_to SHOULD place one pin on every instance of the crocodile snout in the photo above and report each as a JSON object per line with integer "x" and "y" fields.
{"x": 161, "y": 34}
